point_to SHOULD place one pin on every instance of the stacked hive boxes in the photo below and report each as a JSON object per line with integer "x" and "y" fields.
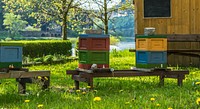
{"x": 151, "y": 51}
{"x": 94, "y": 49}
{"x": 10, "y": 55}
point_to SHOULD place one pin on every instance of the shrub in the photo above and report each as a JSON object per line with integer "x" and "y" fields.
{"x": 48, "y": 59}
{"x": 113, "y": 40}
{"x": 122, "y": 53}
{"x": 31, "y": 28}
{"x": 38, "y": 59}
{"x": 40, "y": 48}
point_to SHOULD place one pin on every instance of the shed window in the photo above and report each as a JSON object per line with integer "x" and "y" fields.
{"x": 157, "y": 8}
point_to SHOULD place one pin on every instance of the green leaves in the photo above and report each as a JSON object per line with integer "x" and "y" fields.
{"x": 49, "y": 47}
{"x": 14, "y": 23}
{"x": 43, "y": 10}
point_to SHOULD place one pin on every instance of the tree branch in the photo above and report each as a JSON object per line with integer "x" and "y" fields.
{"x": 96, "y": 24}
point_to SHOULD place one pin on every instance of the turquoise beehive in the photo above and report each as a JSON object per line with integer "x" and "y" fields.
{"x": 10, "y": 54}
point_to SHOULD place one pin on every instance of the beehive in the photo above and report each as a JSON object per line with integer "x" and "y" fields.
{"x": 94, "y": 42}
{"x": 151, "y": 51}
{"x": 10, "y": 55}
{"x": 151, "y": 57}
{"x": 93, "y": 57}
{"x": 151, "y": 43}
{"x": 94, "y": 49}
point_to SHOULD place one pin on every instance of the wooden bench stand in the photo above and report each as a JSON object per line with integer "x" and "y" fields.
{"x": 82, "y": 76}
{"x": 25, "y": 76}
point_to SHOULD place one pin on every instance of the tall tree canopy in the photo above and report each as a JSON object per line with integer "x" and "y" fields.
{"x": 103, "y": 10}
{"x": 64, "y": 12}
{"x": 1, "y": 15}
{"x": 45, "y": 10}
{"x": 14, "y": 23}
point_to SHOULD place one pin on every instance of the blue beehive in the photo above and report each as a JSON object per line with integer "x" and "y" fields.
{"x": 10, "y": 55}
{"x": 151, "y": 51}
{"x": 151, "y": 57}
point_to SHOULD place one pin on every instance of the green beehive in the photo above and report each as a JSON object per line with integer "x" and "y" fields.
{"x": 10, "y": 54}
{"x": 93, "y": 57}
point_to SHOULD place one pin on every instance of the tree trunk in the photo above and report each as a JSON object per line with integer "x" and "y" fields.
{"x": 64, "y": 26}
{"x": 106, "y": 26}
{"x": 105, "y": 18}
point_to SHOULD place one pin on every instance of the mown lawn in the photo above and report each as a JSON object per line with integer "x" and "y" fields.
{"x": 109, "y": 93}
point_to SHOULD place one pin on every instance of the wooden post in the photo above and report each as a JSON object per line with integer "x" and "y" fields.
{"x": 180, "y": 79}
{"x": 76, "y": 84}
{"x": 90, "y": 81}
{"x": 21, "y": 86}
{"x": 162, "y": 77}
{"x": 46, "y": 82}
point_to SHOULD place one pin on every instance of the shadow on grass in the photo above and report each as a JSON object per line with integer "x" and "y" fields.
{"x": 15, "y": 100}
{"x": 137, "y": 84}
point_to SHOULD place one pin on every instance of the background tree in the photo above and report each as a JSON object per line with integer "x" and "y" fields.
{"x": 78, "y": 22}
{"x": 122, "y": 26}
{"x": 123, "y": 23}
{"x": 14, "y": 23}
{"x": 20, "y": 7}
{"x": 45, "y": 10}
{"x": 1, "y": 15}
{"x": 103, "y": 10}
{"x": 98, "y": 12}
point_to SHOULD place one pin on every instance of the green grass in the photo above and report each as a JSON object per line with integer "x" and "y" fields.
{"x": 115, "y": 93}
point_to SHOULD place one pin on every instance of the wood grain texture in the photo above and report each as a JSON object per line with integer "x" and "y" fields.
{"x": 23, "y": 74}
{"x": 183, "y": 20}
{"x": 184, "y": 24}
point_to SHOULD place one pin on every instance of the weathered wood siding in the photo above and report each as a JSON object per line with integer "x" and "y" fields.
{"x": 184, "y": 20}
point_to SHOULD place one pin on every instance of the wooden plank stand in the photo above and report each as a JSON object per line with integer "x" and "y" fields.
{"x": 24, "y": 76}
{"x": 82, "y": 76}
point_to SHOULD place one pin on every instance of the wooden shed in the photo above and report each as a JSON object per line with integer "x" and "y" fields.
{"x": 179, "y": 20}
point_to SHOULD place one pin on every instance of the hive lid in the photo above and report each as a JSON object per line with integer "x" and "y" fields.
{"x": 10, "y": 44}
{"x": 93, "y": 36}
{"x": 151, "y": 36}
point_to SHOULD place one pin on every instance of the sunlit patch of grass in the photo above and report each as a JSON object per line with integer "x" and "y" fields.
{"x": 115, "y": 93}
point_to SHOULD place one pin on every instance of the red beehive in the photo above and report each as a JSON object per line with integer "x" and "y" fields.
{"x": 94, "y": 42}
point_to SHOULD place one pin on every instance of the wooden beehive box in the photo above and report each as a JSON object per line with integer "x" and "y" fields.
{"x": 94, "y": 42}
{"x": 10, "y": 55}
{"x": 93, "y": 57}
{"x": 94, "y": 49}
{"x": 151, "y": 57}
{"x": 151, "y": 43}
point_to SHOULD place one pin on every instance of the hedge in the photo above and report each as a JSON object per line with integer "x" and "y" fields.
{"x": 41, "y": 48}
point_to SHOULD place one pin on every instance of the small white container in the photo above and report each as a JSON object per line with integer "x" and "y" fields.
{"x": 149, "y": 31}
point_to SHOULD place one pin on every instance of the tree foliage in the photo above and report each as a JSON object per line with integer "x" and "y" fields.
{"x": 102, "y": 12}
{"x": 70, "y": 14}
{"x": 14, "y": 23}
{"x": 1, "y": 15}
{"x": 45, "y": 10}
{"x": 122, "y": 26}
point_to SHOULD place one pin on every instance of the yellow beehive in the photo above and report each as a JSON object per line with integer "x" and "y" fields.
{"x": 151, "y": 44}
